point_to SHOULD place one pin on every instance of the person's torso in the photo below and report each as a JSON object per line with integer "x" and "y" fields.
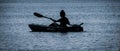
{"x": 64, "y": 21}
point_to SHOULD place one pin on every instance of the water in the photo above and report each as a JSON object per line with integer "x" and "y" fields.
{"x": 101, "y": 25}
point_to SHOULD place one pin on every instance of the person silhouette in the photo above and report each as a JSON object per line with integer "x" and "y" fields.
{"x": 63, "y": 20}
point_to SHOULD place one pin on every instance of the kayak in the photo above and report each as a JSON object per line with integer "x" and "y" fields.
{"x": 44, "y": 28}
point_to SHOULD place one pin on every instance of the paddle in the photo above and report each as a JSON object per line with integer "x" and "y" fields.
{"x": 41, "y": 16}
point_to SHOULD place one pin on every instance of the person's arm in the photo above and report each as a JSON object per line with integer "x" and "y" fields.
{"x": 68, "y": 22}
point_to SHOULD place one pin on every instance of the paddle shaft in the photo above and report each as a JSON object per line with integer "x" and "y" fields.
{"x": 49, "y": 18}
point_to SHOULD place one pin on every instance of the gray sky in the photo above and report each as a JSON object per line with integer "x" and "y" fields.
{"x": 57, "y": 1}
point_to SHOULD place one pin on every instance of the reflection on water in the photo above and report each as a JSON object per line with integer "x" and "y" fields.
{"x": 101, "y": 25}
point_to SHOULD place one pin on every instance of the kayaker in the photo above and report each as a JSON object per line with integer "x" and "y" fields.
{"x": 63, "y": 20}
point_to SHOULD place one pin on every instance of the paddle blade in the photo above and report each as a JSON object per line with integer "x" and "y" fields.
{"x": 38, "y": 14}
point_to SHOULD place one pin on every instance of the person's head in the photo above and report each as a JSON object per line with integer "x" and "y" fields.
{"x": 62, "y": 13}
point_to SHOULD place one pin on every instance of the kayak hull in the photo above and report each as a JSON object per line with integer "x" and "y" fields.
{"x": 43, "y": 28}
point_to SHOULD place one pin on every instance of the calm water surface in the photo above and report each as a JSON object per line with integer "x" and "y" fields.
{"x": 101, "y": 25}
